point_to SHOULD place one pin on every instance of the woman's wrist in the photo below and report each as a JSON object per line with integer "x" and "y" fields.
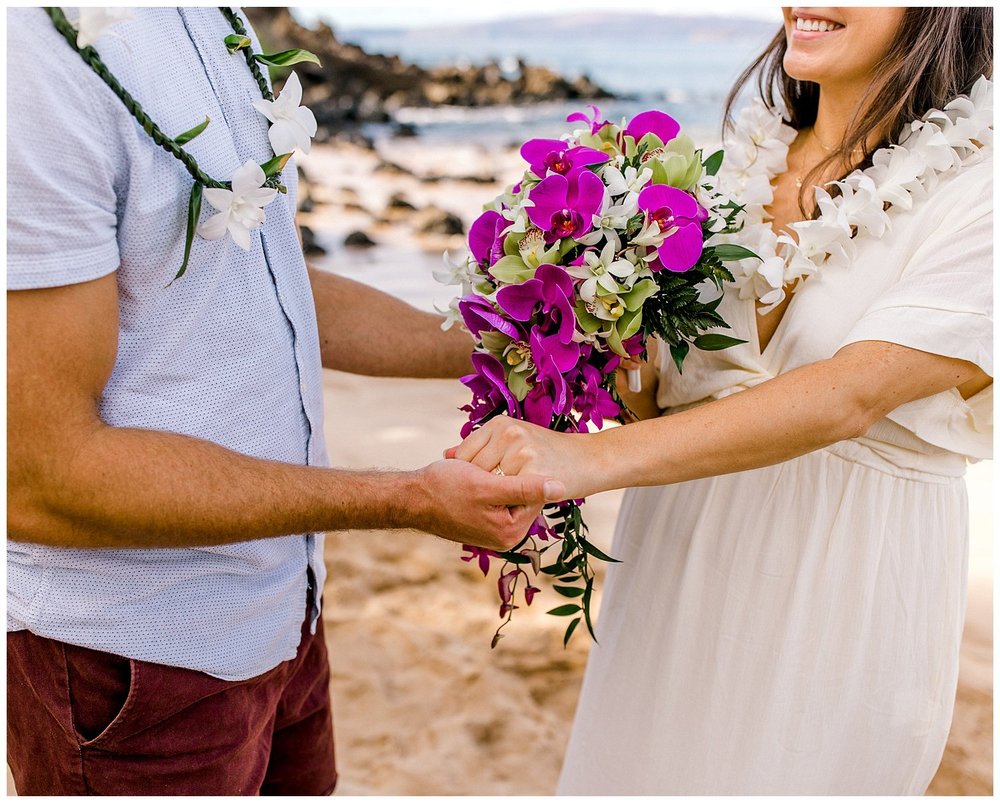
{"x": 600, "y": 465}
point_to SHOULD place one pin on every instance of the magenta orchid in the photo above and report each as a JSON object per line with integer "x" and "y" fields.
{"x": 679, "y": 216}
{"x": 565, "y": 206}
{"x": 486, "y": 237}
{"x": 480, "y": 555}
{"x": 489, "y": 391}
{"x": 653, "y": 122}
{"x": 547, "y": 156}
{"x": 592, "y": 400}
{"x": 550, "y": 292}
{"x": 481, "y": 316}
{"x": 595, "y": 121}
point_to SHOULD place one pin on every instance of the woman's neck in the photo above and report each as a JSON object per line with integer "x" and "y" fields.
{"x": 838, "y": 106}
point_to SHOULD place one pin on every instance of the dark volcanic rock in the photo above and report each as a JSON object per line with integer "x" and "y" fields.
{"x": 398, "y": 201}
{"x": 438, "y": 221}
{"x": 309, "y": 244}
{"x": 358, "y": 239}
{"x": 354, "y": 86}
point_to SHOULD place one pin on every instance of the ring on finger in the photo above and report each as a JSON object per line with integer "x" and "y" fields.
{"x": 499, "y": 472}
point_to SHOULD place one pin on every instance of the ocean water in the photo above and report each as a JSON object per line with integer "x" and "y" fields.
{"x": 684, "y": 66}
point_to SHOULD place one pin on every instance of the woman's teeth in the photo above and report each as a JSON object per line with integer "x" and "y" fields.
{"x": 802, "y": 24}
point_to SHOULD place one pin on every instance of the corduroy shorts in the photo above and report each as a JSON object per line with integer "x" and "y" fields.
{"x": 82, "y": 722}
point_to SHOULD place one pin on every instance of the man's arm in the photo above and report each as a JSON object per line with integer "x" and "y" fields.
{"x": 75, "y": 481}
{"x": 365, "y": 331}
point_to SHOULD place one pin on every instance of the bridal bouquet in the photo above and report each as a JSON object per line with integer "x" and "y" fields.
{"x": 601, "y": 244}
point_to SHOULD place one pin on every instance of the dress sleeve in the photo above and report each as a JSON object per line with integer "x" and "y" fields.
{"x": 942, "y": 303}
{"x": 61, "y": 200}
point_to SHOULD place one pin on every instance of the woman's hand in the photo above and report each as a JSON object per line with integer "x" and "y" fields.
{"x": 642, "y": 404}
{"x": 516, "y": 447}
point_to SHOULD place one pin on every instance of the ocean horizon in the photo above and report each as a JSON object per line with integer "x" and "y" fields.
{"x": 682, "y": 65}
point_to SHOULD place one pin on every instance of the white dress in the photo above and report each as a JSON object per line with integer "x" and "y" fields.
{"x": 796, "y": 629}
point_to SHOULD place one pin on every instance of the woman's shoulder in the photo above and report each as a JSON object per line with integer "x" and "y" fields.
{"x": 961, "y": 199}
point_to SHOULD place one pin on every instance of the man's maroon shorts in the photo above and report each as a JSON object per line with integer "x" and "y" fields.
{"x": 86, "y": 722}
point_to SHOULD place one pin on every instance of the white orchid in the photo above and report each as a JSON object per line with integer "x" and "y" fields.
{"x": 651, "y": 235}
{"x": 456, "y": 273}
{"x": 629, "y": 183}
{"x": 292, "y": 125}
{"x": 764, "y": 281}
{"x": 93, "y": 23}
{"x": 514, "y": 209}
{"x": 241, "y": 208}
{"x": 858, "y": 206}
{"x": 896, "y": 172}
{"x": 612, "y": 218}
{"x": 604, "y": 270}
{"x": 452, "y": 314}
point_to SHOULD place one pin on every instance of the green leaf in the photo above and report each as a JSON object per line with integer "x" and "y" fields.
{"x": 716, "y": 342}
{"x": 678, "y": 353}
{"x": 194, "y": 212}
{"x": 569, "y": 631}
{"x": 286, "y": 58}
{"x": 568, "y": 591}
{"x": 276, "y": 165}
{"x": 586, "y": 606}
{"x": 590, "y": 549}
{"x": 565, "y": 610}
{"x": 235, "y": 42}
{"x": 514, "y": 557}
{"x": 191, "y": 133}
{"x": 713, "y": 163}
{"x": 729, "y": 252}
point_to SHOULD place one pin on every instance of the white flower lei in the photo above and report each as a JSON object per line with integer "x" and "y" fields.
{"x": 942, "y": 141}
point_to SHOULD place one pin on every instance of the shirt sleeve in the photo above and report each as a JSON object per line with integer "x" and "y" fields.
{"x": 61, "y": 168}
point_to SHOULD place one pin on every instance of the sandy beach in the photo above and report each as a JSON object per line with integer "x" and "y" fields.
{"x": 422, "y": 705}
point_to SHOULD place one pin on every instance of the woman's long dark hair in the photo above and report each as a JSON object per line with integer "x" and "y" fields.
{"x": 938, "y": 53}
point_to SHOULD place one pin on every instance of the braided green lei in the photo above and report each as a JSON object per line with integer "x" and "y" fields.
{"x": 239, "y": 40}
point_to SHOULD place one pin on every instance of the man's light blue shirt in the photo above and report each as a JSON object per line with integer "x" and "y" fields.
{"x": 228, "y": 353}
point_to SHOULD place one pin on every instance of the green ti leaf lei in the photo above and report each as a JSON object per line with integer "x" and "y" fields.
{"x": 238, "y": 41}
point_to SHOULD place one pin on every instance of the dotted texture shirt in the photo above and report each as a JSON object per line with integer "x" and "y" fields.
{"x": 228, "y": 353}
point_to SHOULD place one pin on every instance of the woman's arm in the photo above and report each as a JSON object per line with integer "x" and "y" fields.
{"x": 796, "y": 413}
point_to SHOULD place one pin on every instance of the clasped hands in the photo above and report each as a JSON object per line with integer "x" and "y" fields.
{"x": 571, "y": 465}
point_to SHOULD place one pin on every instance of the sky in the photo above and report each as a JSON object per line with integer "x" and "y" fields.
{"x": 406, "y": 14}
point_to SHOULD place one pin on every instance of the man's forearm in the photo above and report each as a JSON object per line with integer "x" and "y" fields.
{"x": 141, "y": 488}
{"x": 365, "y": 331}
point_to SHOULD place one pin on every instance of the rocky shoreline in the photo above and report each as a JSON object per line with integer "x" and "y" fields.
{"x": 354, "y": 86}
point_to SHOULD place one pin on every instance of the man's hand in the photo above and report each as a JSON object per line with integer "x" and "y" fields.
{"x": 467, "y": 504}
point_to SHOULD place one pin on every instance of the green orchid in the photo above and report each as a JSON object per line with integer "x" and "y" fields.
{"x": 524, "y": 252}
{"x": 616, "y": 316}
{"x": 677, "y": 164}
